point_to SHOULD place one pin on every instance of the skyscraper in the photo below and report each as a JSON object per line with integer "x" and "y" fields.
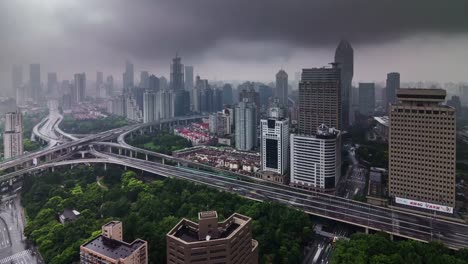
{"x": 227, "y": 94}
{"x": 319, "y": 99}
{"x": 144, "y": 80}
{"x": 52, "y": 83}
{"x": 150, "y": 113}
{"x": 110, "y": 85}
{"x": 99, "y": 82}
{"x": 189, "y": 78}
{"x": 80, "y": 88}
{"x": 16, "y": 80}
{"x": 366, "y": 98}
{"x": 316, "y": 160}
{"x": 128, "y": 76}
{"x": 163, "y": 83}
{"x": 35, "y": 81}
{"x": 246, "y": 125}
{"x": 274, "y": 141}
{"x": 281, "y": 91}
{"x": 210, "y": 241}
{"x": 177, "y": 74}
{"x": 422, "y": 145}
{"x": 13, "y": 135}
{"x": 153, "y": 83}
{"x": 393, "y": 84}
{"x": 344, "y": 56}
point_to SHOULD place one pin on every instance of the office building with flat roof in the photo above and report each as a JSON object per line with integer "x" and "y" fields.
{"x": 210, "y": 241}
{"x": 13, "y": 135}
{"x": 422, "y": 150}
{"x": 109, "y": 248}
{"x": 274, "y": 142}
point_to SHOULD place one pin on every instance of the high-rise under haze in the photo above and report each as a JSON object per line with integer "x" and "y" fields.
{"x": 188, "y": 78}
{"x": 344, "y": 56}
{"x": 35, "y": 82}
{"x": 281, "y": 91}
{"x": 393, "y": 84}
{"x": 80, "y": 88}
{"x": 144, "y": 80}
{"x": 422, "y": 146}
{"x": 16, "y": 80}
{"x": 99, "y": 82}
{"x": 177, "y": 74}
{"x": 52, "y": 82}
{"x": 13, "y": 135}
{"x": 246, "y": 125}
{"x": 366, "y": 98}
{"x": 128, "y": 76}
{"x": 319, "y": 99}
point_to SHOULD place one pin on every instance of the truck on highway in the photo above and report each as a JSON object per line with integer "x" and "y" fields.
{"x": 317, "y": 255}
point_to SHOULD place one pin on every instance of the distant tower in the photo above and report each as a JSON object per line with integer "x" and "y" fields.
{"x": 393, "y": 84}
{"x": 366, "y": 99}
{"x": 35, "y": 81}
{"x": 80, "y": 87}
{"x": 246, "y": 125}
{"x": 282, "y": 88}
{"x": 188, "y": 78}
{"x": 13, "y": 135}
{"x": 177, "y": 74}
{"x": 144, "y": 80}
{"x": 99, "y": 82}
{"x": 128, "y": 76}
{"x": 344, "y": 56}
{"x": 16, "y": 80}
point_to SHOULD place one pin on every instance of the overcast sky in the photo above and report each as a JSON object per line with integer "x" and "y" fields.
{"x": 235, "y": 39}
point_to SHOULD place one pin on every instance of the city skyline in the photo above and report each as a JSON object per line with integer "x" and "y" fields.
{"x": 236, "y": 49}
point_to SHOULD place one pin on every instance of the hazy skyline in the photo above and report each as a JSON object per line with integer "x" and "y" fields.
{"x": 244, "y": 40}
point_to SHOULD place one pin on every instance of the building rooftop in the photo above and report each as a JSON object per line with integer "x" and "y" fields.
{"x": 69, "y": 215}
{"x": 421, "y": 94}
{"x": 113, "y": 249}
{"x": 383, "y": 120}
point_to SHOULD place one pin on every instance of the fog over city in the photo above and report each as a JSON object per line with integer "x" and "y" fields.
{"x": 236, "y": 40}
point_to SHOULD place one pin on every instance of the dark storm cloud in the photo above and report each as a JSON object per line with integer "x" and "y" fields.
{"x": 159, "y": 28}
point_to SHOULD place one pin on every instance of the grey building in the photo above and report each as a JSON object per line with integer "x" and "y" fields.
{"x": 281, "y": 91}
{"x": 188, "y": 78}
{"x": 177, "y": 74}
{"x": 227, "y": 94}
{"x": 128, "y": 76}
{"x": 99, "y": 83}
{"x": 366, "y": 98}
{"x": 52, "y": 83}
{"x": 393, "y": 84}
{"x": 13, "y": 135}
{"x": 153, "y": 83}
{"x": 344, "y": 56}
{"x": 144, "y": 80}
{"x": 35, "y": 82}
{"x": 246, "y": 125}
{"x": 319, "y": 99}
{"x": 16, "y": 79}
{"x": 79, "y": 88}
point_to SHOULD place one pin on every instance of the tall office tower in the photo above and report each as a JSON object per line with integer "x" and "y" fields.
{"x": 128, "y": 76}
{"x": 52, "y": 83}
{"x": 182, "y": 102}
{"x": 188, "y": 78}
{"x": 217, "y": 100}
{"x": 393, "y": 84}
{"x": 366, "y": 98}
{"x": 210, "y": 241}
{"x": 246, "y": 125}
{"x": 144, "y": 80}
{"x": 150, "y": 112}
{"x": 464, "y": 95}
{"x": 166, "y": 104}
{"x": 316, "y": 160}
{"x": 13, "y": 135}
{"x": 281, "y": 91}
{"x": 206, "y": 102}
{"x": 35, "y": 82}
{"x": 248, "y": 92}
{"x": 344, "y": 56}
{"x": 227, "y": 94}
{"x": 137, "y": 94}
{"x": 116, "y": 106}
{"x": 99, "y": 83}
{"x": 422, "y": 148}
{"x": 16, "y": 80}
{"x": 163, "y": 83}
{"x": 266, "y": 93}
{"x": 177, "y": 74}
{"x": 153, "y": 83}
{"x": 110, "y": 85}
{"x": 80, "y": 87}
{"x": 274, "y": 141}
{"x": 319, "y": 99}
{"x": 110, "y": 248}
{"x": 199, "y": 94}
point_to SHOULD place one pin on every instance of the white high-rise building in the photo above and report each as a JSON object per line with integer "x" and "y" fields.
{"x": 150, "y": 111}
{"x": 220, "y": 123}
{"x": 274, "y": 142}
{"x": 316, "y": 160}
{"x": 13, "y": 135}
{"x": 246, "y": 125}
{"x": 166, "y": 102}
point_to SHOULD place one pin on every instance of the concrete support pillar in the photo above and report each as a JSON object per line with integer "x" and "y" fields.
{"x": 163, "y": 161}
{"x": 131, "y": 154}
{"x": 151, "y": 129}
{"x": 82, "y": 155}
{"x": 367, "y": 230}
{"x": 11, "y": 182}
{"x": 53, "y": 169}
{"x": 146, "y": 156}
{"x": 120, "y": 151}
{"x": 105, "y": 166}
{"x": 391, "y": 237}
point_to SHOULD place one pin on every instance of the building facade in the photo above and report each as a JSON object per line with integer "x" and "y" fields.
{"x": 282, "y": 88}
{"x": 13, "y": 135}
{"x": 109, "y": 248}
{"x": 393, "y": 84}
{"x": 316, "y": 159}
{"x": 79, "y": 88}
{"x": 35, "y": 82}
{"x": 422, "y": 147}
{"x": 189, "y": 78}
{"x": 246, "y": 125}
{"x": 366, "y": 98}
{"x": 344, "y": 57}
{"x": 210, "y": 241}
{"x": 274, "y": 142}
{"x": 319, "y": 99}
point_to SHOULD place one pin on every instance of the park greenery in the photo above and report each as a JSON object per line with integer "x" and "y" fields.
{"x": 379, "y": 249}
{"x": 91, "y": 126}
{"x": 373, "y": 152}
{"x": 162, "y": 142}
{"x": 148, "y": 211}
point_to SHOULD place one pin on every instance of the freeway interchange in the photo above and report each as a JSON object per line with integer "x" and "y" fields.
{"x": 399, "y": 223}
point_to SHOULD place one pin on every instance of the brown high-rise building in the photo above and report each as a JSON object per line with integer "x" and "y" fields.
{"x": 109, "y": 248}
{"x": 422, "y": 147}
{"x": 210, "y": 241}
{"x": 319, "y": 99}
